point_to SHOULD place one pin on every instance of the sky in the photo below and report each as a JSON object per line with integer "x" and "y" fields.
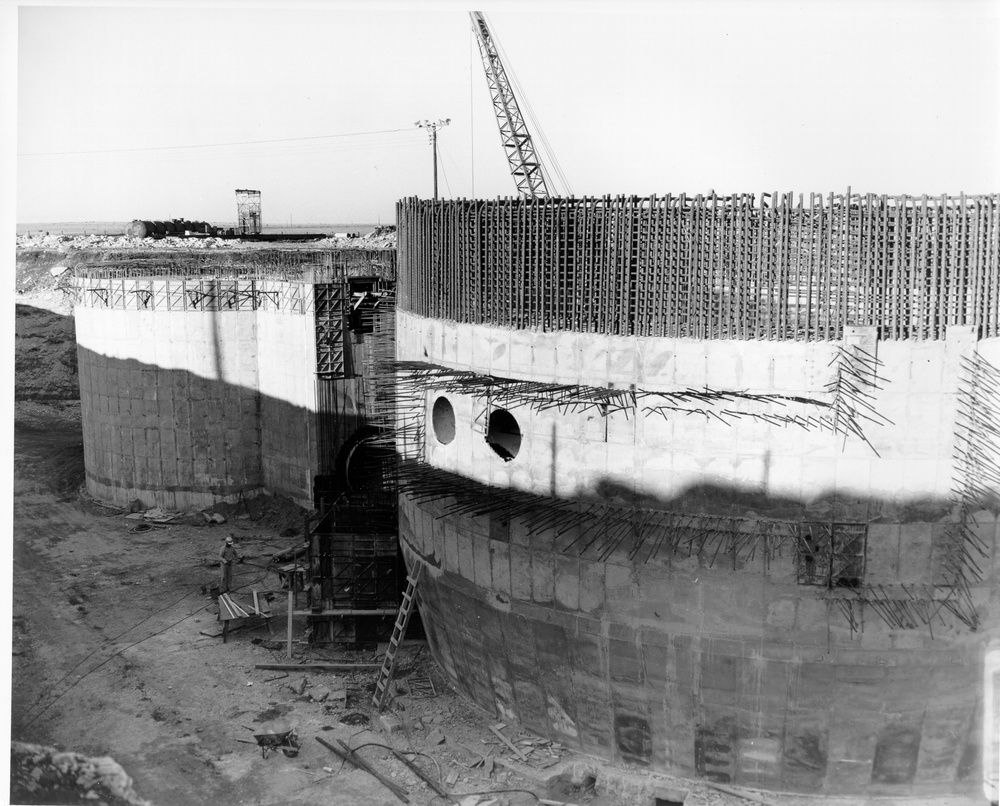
{"x": 128, "y": 111}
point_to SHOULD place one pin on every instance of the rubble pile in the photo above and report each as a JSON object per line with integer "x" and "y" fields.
{"x": 380, "y": 238}
{"x": 40, "y": 774}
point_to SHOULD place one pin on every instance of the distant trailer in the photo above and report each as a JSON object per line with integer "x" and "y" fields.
{"x": 179, "y": 227}
{"x": 182, "y": 228}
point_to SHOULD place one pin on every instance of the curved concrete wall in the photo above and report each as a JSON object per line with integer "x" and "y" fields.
{"x": 764, "y": 562}
{"x": 664, "y": 446}
{"x": 738, "y": 676}
{"x": 183, "y": 408}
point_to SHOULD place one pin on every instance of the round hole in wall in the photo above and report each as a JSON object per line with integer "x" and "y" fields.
{"x": 365, "y": 463}
{"x": 503, "y": 434}
{"x": 443, "y": 420}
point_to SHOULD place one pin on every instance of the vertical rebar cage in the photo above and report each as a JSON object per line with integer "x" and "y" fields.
{"x": 248, "y": 212}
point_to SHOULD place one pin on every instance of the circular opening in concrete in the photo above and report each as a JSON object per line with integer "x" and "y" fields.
{"x": 443, "y": 420}
{"x": 366, "y": 463}
{"x": 503, "y": 434}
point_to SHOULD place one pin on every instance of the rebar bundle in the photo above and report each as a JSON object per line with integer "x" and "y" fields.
{"x": 261, "y": 264}
{"x": 597, "y": 528}
{"x": 853, "y": 390}
{"x": 849, "y": 406}
{"x": 707, "y": 267}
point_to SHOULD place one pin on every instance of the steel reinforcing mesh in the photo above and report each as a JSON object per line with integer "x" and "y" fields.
{"x": 773, "y": 266}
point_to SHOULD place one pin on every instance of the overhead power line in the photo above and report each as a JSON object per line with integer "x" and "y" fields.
{"x": 211, "y": 145}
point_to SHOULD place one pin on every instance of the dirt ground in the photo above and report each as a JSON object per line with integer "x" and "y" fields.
{"x": 116, "y": 652}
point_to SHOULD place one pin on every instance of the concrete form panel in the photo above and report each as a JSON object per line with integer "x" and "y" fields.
{"x": 214, "y": 404}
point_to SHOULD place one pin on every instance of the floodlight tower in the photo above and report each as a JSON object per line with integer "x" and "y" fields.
{"x": 248, "y": 211}
{"x": 433, "y": 125}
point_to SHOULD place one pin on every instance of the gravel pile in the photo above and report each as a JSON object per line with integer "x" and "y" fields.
{"x": 380, "y": 239}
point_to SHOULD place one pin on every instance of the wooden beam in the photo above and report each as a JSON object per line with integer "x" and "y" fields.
{"x": 361, "y": 764}
{"x": 345, "y": 612}
{"x": 510, "y": 745}
{"x": 427, "y": 779}
{"x": 288, "y": 651}
{"x": 319, "y": 667}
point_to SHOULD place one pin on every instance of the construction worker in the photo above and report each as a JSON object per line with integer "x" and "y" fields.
{"x": 227, "y": 556}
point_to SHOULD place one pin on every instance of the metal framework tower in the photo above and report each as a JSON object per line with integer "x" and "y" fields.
{"x": 524, "y": 165}
{"x": 248, "y": 212}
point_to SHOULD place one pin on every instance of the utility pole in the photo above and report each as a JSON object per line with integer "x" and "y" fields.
{"x": 433, "y": 126}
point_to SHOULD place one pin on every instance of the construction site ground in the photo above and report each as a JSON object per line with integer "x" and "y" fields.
{"x": 116, "y": 646}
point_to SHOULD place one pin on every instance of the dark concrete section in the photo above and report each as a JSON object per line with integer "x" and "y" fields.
{"x": 676, "y": 672}
{"x": 174, "y": 439}
{"x": 168, "y": 435}
{"x": 896, "y": 753}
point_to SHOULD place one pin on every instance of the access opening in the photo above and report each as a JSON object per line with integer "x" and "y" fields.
{"x": 568, "y": 787}
{"x": 443, "y": 420}
{"x": 503, "y": 434}
{"x": 832, "y": 555}
{"x": 366, "y": 463}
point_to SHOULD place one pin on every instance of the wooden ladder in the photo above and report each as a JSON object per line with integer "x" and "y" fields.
{"x": 398, "y": 632}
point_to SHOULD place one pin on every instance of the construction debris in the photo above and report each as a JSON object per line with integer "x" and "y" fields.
{"x": 41, "y": 774}
{"x": 351, "y": 756}
{"x": 495, "y": 730}
{"x": 319, "y": 666}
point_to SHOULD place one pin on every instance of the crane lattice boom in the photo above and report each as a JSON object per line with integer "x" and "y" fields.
{"x": 524, "y": 165}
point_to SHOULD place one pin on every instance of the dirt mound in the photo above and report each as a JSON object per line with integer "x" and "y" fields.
{"x": 40, "y": 774}
{"x": 45, "y": 358}
{"x": 49, "y": 454}
{"x": 272, "y": 511}
{"x": 67, "y": 245}
{"x": 41, "y": 269}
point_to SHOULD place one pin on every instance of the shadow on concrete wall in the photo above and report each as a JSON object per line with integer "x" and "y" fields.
{"x": 177, "y": 438}
{"x": 731, "y": 501}
{"x": 725, "y": 676}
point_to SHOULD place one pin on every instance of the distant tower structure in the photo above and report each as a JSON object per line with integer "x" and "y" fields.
{"x": 248, "y": 211}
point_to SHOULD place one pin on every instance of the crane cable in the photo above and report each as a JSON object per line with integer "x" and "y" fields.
{"x": 536, "y": 127}
{"x": 473, "y": 48}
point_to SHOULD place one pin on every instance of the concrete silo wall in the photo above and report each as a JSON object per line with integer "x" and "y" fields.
{"x": 187, "y": 405}
{"x": 743, "y": 527}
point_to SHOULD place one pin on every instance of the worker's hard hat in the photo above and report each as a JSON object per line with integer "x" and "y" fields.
{"x": 229, "y": 540}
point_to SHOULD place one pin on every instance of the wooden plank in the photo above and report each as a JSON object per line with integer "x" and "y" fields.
{"x": 740, "y": 793}
{"x": 361, "y": 764}
{"x": 510, "y": 745}
{"x": 319, "y": 666}
{"x": 336, "y": 612}
{"x": 423, "y": 776}
{"x": 288, "y": 650}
